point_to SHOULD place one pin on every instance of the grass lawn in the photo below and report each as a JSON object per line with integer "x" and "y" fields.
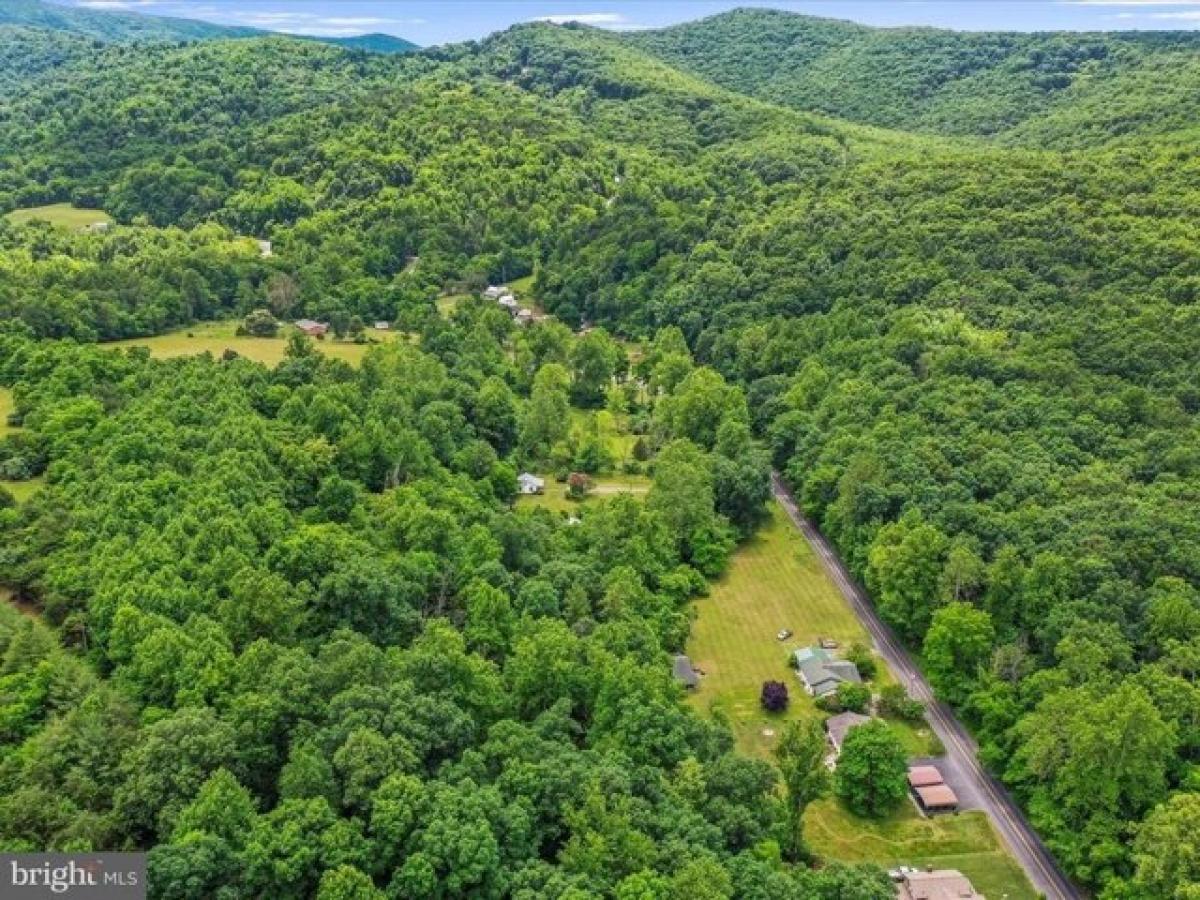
{"x": 62, "y": 214}
{"x": 6, "y": 406}
{"x": 555, "y": 498}
{"x": 23, "y": 490}
{"x": 774, "y": 581}
{"x": 964, "y": 841}
{"x": 448, "y": 303}
{"x": 215, "y": 337}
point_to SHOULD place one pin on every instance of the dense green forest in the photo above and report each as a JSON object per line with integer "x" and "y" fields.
{"x": 1047, "y": 89}
{"x": 112, "y": 24}
{"x": 975, "y": 363}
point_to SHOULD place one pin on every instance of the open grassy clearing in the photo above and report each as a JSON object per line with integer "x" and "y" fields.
{"x": 63, "y": 215}
{"x": 964, "y": 841}
{"x": 774, "y": 581}
{"x": 216, "y": 337}
{"x": 555, "y": 498}
{"x": 7, "y": 405}
{"x": 448, "y": 303}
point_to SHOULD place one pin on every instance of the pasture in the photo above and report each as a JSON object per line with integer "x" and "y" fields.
{"x": 774, "y": 581}
{"x": 64, "y": 215}
{"x": 216, "y": 337}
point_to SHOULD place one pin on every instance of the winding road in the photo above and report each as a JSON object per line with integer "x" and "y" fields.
{"x": 961, "y": 750}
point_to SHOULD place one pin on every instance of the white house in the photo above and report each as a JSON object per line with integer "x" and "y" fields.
{"x": 528, "y": 483}
{"x": 382, "y": 326}
{"x": 493, "y": 291}
{"x": 264, "y": 248}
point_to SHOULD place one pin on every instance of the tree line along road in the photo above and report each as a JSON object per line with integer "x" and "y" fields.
{"x": 961, "y": 751}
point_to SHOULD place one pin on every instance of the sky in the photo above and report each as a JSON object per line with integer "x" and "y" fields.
{"x": 429, "y": 22}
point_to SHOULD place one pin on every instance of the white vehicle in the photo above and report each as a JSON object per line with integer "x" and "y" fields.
{"x": 784, "y": 634}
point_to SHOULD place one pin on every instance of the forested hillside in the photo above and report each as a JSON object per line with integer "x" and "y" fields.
{"x": 1055, "y": 90}
{"x": 111, "y": 25}
{"x": 976, "y": 365}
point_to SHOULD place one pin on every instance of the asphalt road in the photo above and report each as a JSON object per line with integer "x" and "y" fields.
{"x": 961, "y": 750}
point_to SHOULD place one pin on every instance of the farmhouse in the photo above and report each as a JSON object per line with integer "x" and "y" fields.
{"x": 312, "y": 328}
{"x": 931, "y": 791}
{"x": 524, "y": 316}
{"x": 684, "y": 673}
{"x": 938, "y": 884}
{"x": 821, "y": 673}
{"x": 509, "y": 302}
{"x": 837, "y": 727}
{"x": 493, "y": 291}
{"x": 528, "y": 483}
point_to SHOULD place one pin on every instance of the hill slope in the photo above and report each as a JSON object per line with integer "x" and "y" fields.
{"x": 115, "y": 26}
{"x": 976, "y": 364}
{"x": 1049, "y": 89}
{"x": 112, "y": 25}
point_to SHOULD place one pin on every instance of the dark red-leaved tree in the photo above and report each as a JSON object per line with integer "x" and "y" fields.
{"x": 774, "y": 696}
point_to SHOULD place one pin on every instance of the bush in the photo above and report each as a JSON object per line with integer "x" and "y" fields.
{"x": 848, "y": 697}
{"x": 774, "y": 697}
{"x": 894, "y": 701}
{"x": 864, "y": 659}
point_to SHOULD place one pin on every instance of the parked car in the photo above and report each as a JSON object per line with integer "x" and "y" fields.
{"x": 784, "y": 634}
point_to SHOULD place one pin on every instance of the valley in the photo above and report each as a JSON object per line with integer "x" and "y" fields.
{"x": 489, "y": 603}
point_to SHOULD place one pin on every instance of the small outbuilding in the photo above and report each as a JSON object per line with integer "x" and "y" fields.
{"x": 264, "y": 248}
{"x": 685, "y": 673}
{"x": 312, "y": 328}
{"x": 493, "y": 291}
{"x": 528, "y": 483}
{"x": 931, "y": 791}
{"x": 924, "y": 776}
{"x": 382, "y": 326}
{"x": 937, "y": 798}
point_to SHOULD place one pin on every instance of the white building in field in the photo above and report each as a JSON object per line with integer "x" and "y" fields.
{"x": 528, "y": 483}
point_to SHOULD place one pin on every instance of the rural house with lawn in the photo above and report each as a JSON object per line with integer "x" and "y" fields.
{"x": 822, "y": 673}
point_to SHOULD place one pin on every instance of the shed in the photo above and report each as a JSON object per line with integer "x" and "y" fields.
{"x": 937, "y": 798}
{"x": 684, "y": 673}
{"x": 924, "y": 776}
{"x": 312, "y": 328}
{"x": 528, "y": 483}
{"x": 382, "y": 326}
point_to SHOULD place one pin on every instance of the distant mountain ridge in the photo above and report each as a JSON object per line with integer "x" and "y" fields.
{"x": 113, "y": 26}
{"x": 1053, "y": 89}
{"x": 116, "y": 26}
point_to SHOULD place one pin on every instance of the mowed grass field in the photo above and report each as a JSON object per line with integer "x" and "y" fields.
{"x": 964, "y": 841}
{"x": 7, "y": 405}
{"x": 774, "y": 581}
{"x": 216, "y": 337}
{"x": 62, "y": 214}
{"x": 555, "y": 497}
{"x": 21, "y": 490}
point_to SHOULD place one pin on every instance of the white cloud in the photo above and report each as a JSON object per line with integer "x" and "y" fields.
{"x": 1187, "y": 15}
{"x": 612, "y": 20}
{"x": 316, "y": 25}
{"x": 1128, "y": 2}
{"x": 114, "y": 4}
{"x": 583, "y": 18}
